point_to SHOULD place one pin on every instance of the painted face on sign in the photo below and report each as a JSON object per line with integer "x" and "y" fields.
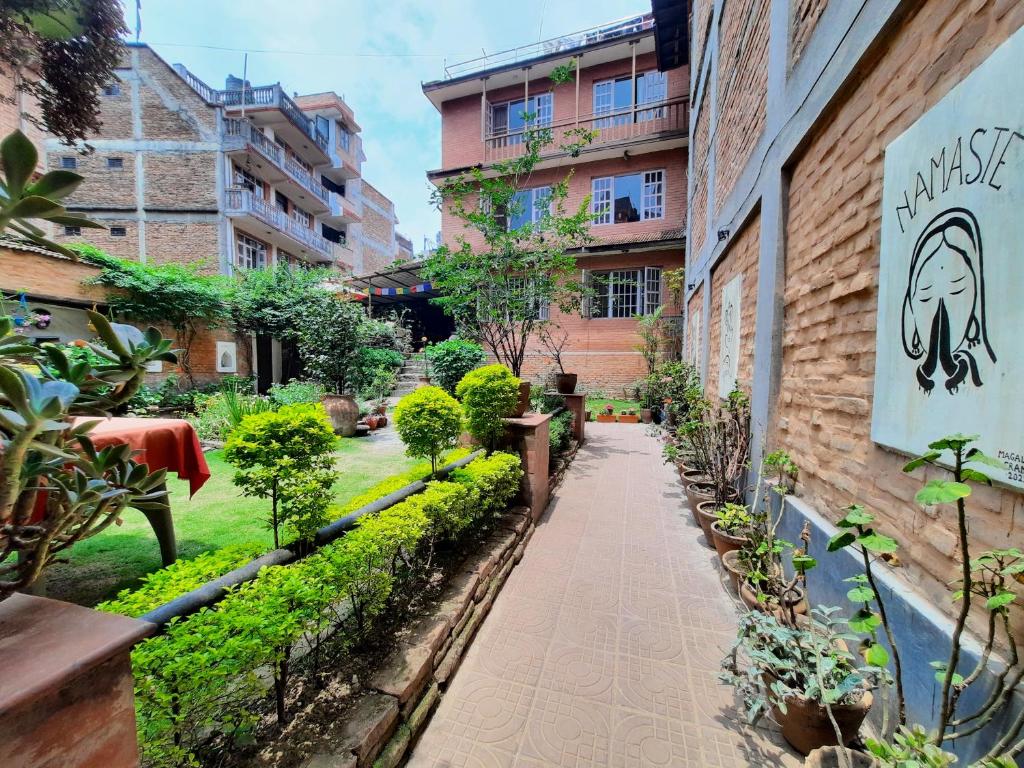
{"x": 944, "y": 306}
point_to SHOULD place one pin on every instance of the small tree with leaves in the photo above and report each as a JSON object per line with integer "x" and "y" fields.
{"x": 429, "y": 421}
{"x": 500, "y": 282}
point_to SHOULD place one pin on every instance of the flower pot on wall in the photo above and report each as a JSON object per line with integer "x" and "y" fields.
{"x": 343, "y": 413}
{"x": 806, "y": 725}
{"x": 524, "y": 400}
{"x": 565, "y": 383}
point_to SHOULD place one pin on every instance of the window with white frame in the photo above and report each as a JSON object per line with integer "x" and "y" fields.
{"x": 536, "y": 307}
{"x": 529, "y": 207}
{"x": 249, "y": 252}
{"x": 630, "y": 197}
{"x": 623, "y": 293}
{"x": 305, "y": 218}
{"x": 509, "y": 120}
{"x": 246, "y": 180}
{"x": 615, "y": 99}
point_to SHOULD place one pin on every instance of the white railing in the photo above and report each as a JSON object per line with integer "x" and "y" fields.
{"x": 258, "y": 140}
{"x": 663, "y": 117}
{"x": 621, "y": 28}
{"x": 243, "y": 201}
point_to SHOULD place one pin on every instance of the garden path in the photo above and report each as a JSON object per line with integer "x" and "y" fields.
{"x": 604, "y": 646}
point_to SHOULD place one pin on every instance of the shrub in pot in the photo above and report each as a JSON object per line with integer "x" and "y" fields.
{"x": 804, "y": 675}
{"x": 554, "y": 339}
{"x": 729, "y": 531}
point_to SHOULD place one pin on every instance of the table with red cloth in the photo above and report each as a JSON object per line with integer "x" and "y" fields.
{"x": 170, "y": 444}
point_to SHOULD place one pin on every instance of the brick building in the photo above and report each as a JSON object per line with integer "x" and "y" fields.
{"x": 797, "y": 106}
{"x": 635, "y": 169}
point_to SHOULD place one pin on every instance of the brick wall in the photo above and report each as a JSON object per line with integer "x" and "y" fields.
{"x": 701, "y": 157}
{"x": 126, "y": 247}
{"x": 116, "y": 111}
{"x": 701, "y": 11}
{"x": 832, "y": 260}
{"x": 742, "y": 89}
{"x": 186, "y": 242}
{"x": 181, "y": 180}
{"x": 804, "y": 18}
{"x": 103, "y": 187}
{"x": 740, "y": 259}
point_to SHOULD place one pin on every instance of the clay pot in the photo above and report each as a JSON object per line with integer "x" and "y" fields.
{"x": 706, "y": 517}
{"x": 380, "y": 410}
{"x": 565, "y": 383}
{"x": 382, "y": 421}
{"x": 828, "y": 757}
{"x": 806, "y": 726}
{"x": 737, "y": 573}
{"x": 698, "y": 491}
{"x": 798, "y": 600}
{"x": 372, "y": 421}
{"x": 343, "y": 413}
{"x": 524, "y": 400}
{"x": 645, "y": 415}
{"x": 726, "y": 542}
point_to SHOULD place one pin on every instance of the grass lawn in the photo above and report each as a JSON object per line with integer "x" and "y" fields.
{"x": 596, "y": 405}
{"x": 216, "y": 517}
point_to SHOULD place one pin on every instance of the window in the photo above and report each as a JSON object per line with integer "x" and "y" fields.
{"x": 529, "y": 206}
{"x": 344, "y": 138}
{"x": 305, "y": 218}
{"x": 536, "y": 308}
{"x": 114, "y": 89}
{"x": 617, "y": 98}
{"x": 631, "y": 197}
{"x": 246, "y": 180}
{"x": 115, "y": 163}
{"x": 118, "y": 232}
{"x": 69, "y": 163}
{"x": 249, "y": 253}
{"x": 323, "y": 126}
{"x": 625, "y": 292}
{"x": 508, "y": 120}
{"x": 281, "y": 202}
{"x": 72, "y": 231}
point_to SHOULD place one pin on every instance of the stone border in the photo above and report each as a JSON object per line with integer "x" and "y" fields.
{"x": 405, "y": 689}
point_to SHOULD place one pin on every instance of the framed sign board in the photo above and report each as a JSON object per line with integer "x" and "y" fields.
{"x": 950, "y": 334}
{"x": 729, "y": 337}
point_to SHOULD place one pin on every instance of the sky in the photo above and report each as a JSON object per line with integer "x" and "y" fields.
{"x": 375, "y": 53}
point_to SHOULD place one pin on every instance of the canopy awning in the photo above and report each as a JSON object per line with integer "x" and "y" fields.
{"x": 398, "y": 283}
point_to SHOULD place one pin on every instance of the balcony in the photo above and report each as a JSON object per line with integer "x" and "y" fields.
{"x": 282, "y": 169}
{"x": 656, "y": 122}
{"x": 343, "y": 211}
{"x": 262, "y": 104}
{"x": 252, "y": 210}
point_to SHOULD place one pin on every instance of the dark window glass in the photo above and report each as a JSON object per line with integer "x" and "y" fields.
{"x": 118, "y": 232}
{"x": 69, "y": 162}
{"x": 626, "y": 204}
{"x": 115, "y": 162}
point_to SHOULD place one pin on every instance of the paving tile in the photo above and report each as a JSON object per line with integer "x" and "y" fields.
{"x": 604, "y": 647}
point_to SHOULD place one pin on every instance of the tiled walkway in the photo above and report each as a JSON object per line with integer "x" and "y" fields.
{"x": 603, "y": 648}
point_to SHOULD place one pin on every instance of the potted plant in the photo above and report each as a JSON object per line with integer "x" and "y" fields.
{"x": 805, "y": 676}
{"x": 628, "y": 416}
{"x": 730, "y": 528}
{"x": 554, "y": 339}
{"x": 608, "y": 417}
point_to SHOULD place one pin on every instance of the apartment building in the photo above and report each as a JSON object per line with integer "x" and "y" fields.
{"x": 235, "y": 178}
{"x": 842, "y": 154}
{"x": 635, "y": 171}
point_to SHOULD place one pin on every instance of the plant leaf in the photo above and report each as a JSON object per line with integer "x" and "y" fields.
{"x": 56, "y": 184}
{"x": 18, "y": 157}
{"x": 942, "y": 492}
{"x": 861, "y": 595}
{"x": 1000, "y": 600}
{"x": 877, "y": 542}
{"x": 841, "y": 540}
{"x": 876, "y": 655}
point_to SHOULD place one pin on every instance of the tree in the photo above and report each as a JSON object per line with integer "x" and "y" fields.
{"x": 178, "y": 295}
{"x": 452, "y": 359}
{"x": 330, "y": 335}
{"x": 502, "y": 287}
{"x": 286, "y": 456}
{"x": 488, "y": 395}
{"x": 429, "y": 421}
{"x": 62, "y": 53}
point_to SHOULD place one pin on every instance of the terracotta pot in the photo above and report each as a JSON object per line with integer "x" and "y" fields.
{"x": 424, "y": 381}
{"x": 806, "y": 726}
{"x": 606, "y": 418}
{"x": 798, "y": 601}
{"x": 828, "y": 757}
{"x": 343, "y": 413}
{"x": 382, "y": 421}
{"x": 372, "y": 421}
{"x": 565, "y": 383}
{"x": 736, "y": 571}
{"x": 645, "y": 415}
{"x": 628, "y": 418}
{"x": 380, "y": 410}
{"x": 698, "y": 491}
{"x": 725, "y": 542}
{"x": 524, "y": 400}
{"x": 706, "y": 517}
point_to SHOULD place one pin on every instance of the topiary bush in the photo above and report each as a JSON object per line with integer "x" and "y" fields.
{"x": 496, "y": 478}
{"x": 451, "y": 360}
{"x": 488, "y": 395}
{"x": 429, "y": 421}
{"x": 286, "y": 456}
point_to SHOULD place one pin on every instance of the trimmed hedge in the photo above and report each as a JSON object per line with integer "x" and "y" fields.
{"x": 197, "y": 682}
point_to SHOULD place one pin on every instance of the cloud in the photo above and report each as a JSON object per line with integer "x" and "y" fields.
{"x": 376, "y": 54}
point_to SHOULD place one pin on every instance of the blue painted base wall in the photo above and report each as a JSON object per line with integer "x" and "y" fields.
{"x": 922, "y": 630}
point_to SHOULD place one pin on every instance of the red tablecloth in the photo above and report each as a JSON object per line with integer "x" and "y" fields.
{"x": 170, "y": 444}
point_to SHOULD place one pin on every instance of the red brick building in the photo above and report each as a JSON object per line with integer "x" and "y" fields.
{"x": 635, "y": 171}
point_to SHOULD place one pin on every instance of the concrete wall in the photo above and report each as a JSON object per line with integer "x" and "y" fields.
{"x": 796, "y": 155}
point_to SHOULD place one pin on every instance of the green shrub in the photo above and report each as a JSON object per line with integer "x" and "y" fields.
{"x": 373, "y": 364}
{"x": 495, "y": 477}
{"x": 560, "y": 433}
{"x": 451, "y": 360}
{"x": 178, "y": 578}
{"x": 296, "y": 391}
{"x": 429, "y": 421}
{"x": 488, "y": 395}
{"x": 449, "y": 508}
{"x": 219, "y": 413}
{"x": 286, "y": 456}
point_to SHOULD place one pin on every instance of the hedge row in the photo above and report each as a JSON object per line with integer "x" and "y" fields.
{"x": 198, "y": 682}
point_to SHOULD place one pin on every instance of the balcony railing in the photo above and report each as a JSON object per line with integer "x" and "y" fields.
{"x": 621, "y": 28}
{"x": 643, "y": 120}
{"x": 246, "y": 131}
{"x": 244, "y": 202}
{"x": 258, "y": 96}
